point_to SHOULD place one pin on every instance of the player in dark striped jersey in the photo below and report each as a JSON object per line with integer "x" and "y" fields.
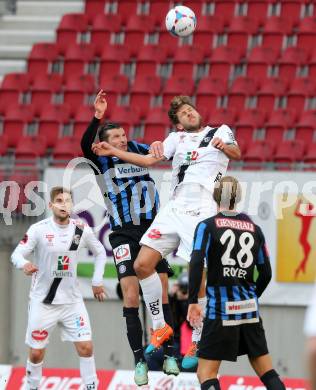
{"x": 132, "y": 202}
{"x": 232, "y": 247}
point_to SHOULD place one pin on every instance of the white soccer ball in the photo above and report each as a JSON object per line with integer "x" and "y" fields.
{"x": 180, "y": 21}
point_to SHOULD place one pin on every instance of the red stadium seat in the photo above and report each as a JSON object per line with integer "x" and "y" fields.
{"x": 157, "y": 125}
{"x": 259, "y": 61}
{"x": 51, "y": 121}
{"x": 126, "y": 8}
{"x": 114, "y": 87}
{"x": 82, "y": 118}
{"x": 136, "y": 28}
{"x": 275, "y": 30}
{"x": 291, "y": 59}
{"x": 41, "y": 58}
{"x": 94, "y": 8}
{"x": 258, "y": 152}
{"x": 195, "y": 5}
{"x": 312, "y": 66}
{"x": 78, "y": 88}
{"x": 221, "y": 61}
{"x": 306, "y": 33}
{"x": 158, "y": 9}
{"x": 77, "y": 58}
{"x": 241, "y": 88}
{"x": 67, "y": 149}
{"x": 176, "y": 85}
{"x": 103, "y": 25}
{"x": 278, "y": 122}
{"x": 299, "y": 90}
{"x": 15, "y": 122}
{"x": 240, "y": 29}
{"x": 288, "y": 152}
{"x": 126, "y": 116}
{"x": 29, "y": 149}
{"x": 208, "y": 92}
{"x": 4, "y": 142}
{"x": 306, "y": 127}
{"x": 70, "y": 27}
{"x": 149, "y": 58}
{"x": 185, "y": 58}
{"x": 13, "y": 85}
{"x": 143, "y": 88}
{"x": 207, "y": 27}
{"x": 225, "y": 9}
{"x": 310, "y": 156}
{"x": 112, "y": 59}
{"x": 44, "y": 87}
{"x": 270, "y": 89}
{"x": 247, "y": 123}
{"x": 291, "y": 10}
{"x": 258, "y": 9}
{"x": 222, "y": 116}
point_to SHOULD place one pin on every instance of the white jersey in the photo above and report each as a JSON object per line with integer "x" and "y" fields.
{"x": 195, "y": 160}
{"x": 55, "y": 248}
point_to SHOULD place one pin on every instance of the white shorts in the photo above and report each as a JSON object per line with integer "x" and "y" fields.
{"x": 174, "y": 227}
{"x": 72, "y": 318}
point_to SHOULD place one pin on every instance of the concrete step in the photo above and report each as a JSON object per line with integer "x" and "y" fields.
{"x": 15, "y": 22}
{"x": 47, "y": 8}
{"x": 11, "y": 66}
{"x": 18, "y": 37}
{"x": 15, "y": 52}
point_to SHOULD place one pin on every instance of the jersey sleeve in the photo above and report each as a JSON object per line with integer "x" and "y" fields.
{"x": 143, "y": 148}
{"x": 201, "y": 243}
{"x": 263, "y": 265}
{"x": 170, "y": 146}
{"x": 25, "y": 247}
{"x": 227, "y": 135}
{"x": 95, "y": 246}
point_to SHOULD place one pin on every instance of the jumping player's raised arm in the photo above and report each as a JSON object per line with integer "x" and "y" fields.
{"x": 105, "y": 149}
{"x": 201, "y": 243}
{"x": 23, "y": 250}
{"x": 225, "y": 141}
{"x": 263, "y": 267}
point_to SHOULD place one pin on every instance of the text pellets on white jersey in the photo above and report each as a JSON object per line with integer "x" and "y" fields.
{"x": 50, "y": 244}
{"x": 203, "y": 163}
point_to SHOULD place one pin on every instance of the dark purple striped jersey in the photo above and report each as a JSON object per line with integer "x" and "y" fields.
{"x": 234, "y": 251}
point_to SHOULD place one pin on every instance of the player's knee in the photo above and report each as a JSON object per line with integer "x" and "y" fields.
{"x": 85, "y": 349}
{"x": 131, "y": 298}
{"x": 272, "y": 381}
{"x": 140, "y": 267}
{"x": 36, "y": 355}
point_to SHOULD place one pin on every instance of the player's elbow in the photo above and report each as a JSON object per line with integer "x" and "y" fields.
{"x": 236, "y": 154}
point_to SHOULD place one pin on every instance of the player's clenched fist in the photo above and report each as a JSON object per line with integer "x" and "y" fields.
{"x": 195, "y": 315}
{"x": 99, "y": 293}
{"x": 29, "y": 268}
{"x": 102, "y": 149}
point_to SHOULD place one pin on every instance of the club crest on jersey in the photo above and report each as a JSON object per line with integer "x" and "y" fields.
{"x": 122, "y": 253}
{"x": 191, "y": 157}
{"x": 63, "y": 265}
{"x": 154, "y": 234}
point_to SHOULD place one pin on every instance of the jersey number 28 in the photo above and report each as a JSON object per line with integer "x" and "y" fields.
{"x": 244, "y": 255}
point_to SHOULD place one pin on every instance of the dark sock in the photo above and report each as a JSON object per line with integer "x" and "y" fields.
{"x": 272, "y": 381}
{"x": 211, "y": 384}
{"x": 134, "y": 332}
{"x": 168, "y": 346}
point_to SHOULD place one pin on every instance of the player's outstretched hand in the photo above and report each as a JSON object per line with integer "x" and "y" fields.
{"x": 100, "y": 104}
{"x": 29, "y": 268}
{"x": 156, "y": 149}
{"x": 195, "y": 315}
{"x": 102, "y": 149}
{"x": 99, "y": 293}
{"x": 218, "y": 143}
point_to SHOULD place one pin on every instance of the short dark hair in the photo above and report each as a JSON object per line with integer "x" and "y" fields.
{"x": 58, "y": 190}
{"x": 103, "y": 130}
{"x": 176, "y": 103}
{"x": 227, "y": 192}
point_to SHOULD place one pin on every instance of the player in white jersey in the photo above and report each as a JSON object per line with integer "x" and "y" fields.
{"x": 200, "y": 158}
{"x": 54, "y": 295}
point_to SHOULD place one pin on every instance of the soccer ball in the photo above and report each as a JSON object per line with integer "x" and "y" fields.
{"x": 180, "y": 21}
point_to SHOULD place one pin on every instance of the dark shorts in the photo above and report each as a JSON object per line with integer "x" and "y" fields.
{"x": 220, "y": 342}
{"x": 125, "y": 245}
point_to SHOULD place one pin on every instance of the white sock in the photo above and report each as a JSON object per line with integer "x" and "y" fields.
{"x": 33, "y": 375}
{"x": 88, "y": 373}
{"x": 152, "y": 294}
{"x": 197, "y": 332}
